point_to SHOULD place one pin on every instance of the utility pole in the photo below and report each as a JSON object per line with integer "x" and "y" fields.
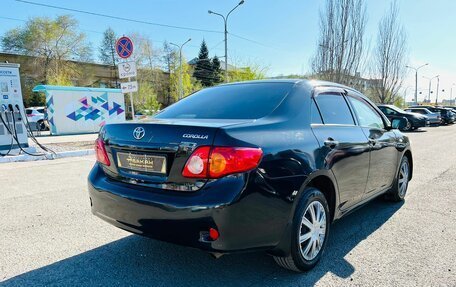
{"x": 437, "y": 95}
{"x": 416, "y": 79}
{"x": 225, "y": 20}
{"x": 451, "y": 94}
{"x": 430, "y": 86}
{"x": 181, "y": 88}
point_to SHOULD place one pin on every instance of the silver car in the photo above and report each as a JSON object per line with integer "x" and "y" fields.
{"x": 434, "y": 118}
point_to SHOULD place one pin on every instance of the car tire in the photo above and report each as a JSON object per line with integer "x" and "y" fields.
{"x": 41, "y": 126}
{"x": 408, "y": 127}
{"x": 310, "y": 231}
{"x": 397, "y": 193}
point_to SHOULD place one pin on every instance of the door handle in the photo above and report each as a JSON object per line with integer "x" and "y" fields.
{"x": 331, "y": 143}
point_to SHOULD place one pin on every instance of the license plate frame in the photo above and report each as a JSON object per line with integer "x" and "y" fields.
{"x": 141, "y": 162}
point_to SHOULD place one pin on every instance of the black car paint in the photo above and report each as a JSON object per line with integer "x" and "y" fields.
{"x": 416, "y": 120}
{"x": 252, "y": 210}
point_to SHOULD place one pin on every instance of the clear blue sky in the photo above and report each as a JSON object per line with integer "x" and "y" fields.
{"x": 286, "y": 29}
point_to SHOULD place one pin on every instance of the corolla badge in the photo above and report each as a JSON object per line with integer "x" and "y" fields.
{"x": 138, "y": 133}
{"x": 195, "y": 136}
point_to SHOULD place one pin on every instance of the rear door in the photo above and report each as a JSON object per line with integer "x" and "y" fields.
{"x": 344, "y": 148}
{"x": 383, "y": 155}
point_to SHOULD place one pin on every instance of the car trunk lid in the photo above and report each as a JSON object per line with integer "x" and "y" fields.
{"x": 154, "y": 152}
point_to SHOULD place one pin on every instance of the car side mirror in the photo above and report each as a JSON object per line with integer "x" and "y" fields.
{"x": 398, "y": 123}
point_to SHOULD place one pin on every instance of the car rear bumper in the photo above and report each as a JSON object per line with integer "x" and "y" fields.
{"x": 243, "y": 220}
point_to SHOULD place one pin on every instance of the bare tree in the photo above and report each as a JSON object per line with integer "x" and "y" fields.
{"x": 340, "y": 47}
{"x": 389, "y": 57}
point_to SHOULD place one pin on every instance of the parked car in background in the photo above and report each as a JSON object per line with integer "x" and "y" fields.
{"x": 414, "y": 120}
{"x": 36, "y": 117}
{"x": 269, "y": 166}
{"x": 446, "y": 114}
{"x": 434, "y": 118}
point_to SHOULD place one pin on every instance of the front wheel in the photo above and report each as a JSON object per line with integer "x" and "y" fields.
{"x": 310, "y": 232}
{"x": 408, "y": 127}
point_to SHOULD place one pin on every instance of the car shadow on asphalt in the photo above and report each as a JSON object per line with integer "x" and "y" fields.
{"x": 415, "y": 131}
{"x": 135, "y": 260}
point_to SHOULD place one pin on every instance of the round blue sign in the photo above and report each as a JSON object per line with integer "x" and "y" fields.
{"x": 124, "y": 47}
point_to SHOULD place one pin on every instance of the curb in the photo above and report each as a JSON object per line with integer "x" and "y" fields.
{"x": 63, "y": 154}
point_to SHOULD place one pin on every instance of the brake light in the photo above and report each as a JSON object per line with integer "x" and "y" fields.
{"x": 100, "y": 151}
{"x": 216, "y": 162}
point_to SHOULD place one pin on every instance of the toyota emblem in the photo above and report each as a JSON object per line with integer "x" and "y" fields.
{"x": 138, "y": 133}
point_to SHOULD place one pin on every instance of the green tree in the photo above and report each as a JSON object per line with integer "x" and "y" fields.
{"x": 216, "y": 70}
{"x": 52, "y": 43}
{"x": 203, "y": 68}
{"x": 189, "y": 84}
{"x": 107, "y": 51}
{"x": 246, "y": 74}
{"x": 146, "y": 99}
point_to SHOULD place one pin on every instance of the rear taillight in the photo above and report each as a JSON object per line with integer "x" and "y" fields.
{"x": 216, "y": 162}
{"x": 100, "y": 151}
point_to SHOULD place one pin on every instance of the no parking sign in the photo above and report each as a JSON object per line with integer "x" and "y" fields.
{"x": 124, "y": 47}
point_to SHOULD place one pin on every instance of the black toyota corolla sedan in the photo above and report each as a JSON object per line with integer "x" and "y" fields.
{"x": 261, "y": 165}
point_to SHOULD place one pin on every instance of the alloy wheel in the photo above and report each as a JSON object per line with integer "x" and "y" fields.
{"x": 403, "y": 178}
{"x": 312, "y": 231}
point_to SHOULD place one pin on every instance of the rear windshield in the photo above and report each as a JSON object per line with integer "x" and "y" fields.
{"x": 240, "y": 101}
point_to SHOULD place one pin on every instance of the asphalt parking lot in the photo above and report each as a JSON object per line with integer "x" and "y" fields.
{"x": 49, "y": 236}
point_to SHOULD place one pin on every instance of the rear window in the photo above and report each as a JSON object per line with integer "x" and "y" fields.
{"x": 240, "y": 101}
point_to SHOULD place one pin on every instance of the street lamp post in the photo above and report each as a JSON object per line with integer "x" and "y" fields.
{"x": 416, "y": 80}
{"x": 225, "y": 20}
{"x": 181, "y": 88}
{"x": 451, "y": 93}
{"x": 437, "y": 94}
{"x": 430, "y": 85}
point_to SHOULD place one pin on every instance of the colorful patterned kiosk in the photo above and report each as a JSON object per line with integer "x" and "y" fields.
{"x": 76, "y": 110}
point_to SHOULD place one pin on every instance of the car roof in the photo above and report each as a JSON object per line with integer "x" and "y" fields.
{"x": 312, "y": 83}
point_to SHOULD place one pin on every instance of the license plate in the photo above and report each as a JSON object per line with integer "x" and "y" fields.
{"x": 142, "y": 162}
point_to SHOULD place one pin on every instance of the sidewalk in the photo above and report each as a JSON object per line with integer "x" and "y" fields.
{"x": 62, "y": 146}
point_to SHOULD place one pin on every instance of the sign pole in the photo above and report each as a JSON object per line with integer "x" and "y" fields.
{"x": 124, "y": 48}
{"x": 131, "y": 102}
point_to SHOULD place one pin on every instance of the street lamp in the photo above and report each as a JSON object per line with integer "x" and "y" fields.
{"x": 181, "y": 88}
{"x": 225, "y": 20}
{"x": 437, "y": 94}
{"x": 430, "y": 82}
{"x": 451, "y": 93}
{"x": 416, "y": 79}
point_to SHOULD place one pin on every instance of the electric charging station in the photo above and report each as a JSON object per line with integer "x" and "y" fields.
{"x": 13, "y": 132}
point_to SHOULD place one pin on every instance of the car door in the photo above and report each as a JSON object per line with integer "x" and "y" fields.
{"x": 383, "y": 155}
{"x": 344, "y": 148}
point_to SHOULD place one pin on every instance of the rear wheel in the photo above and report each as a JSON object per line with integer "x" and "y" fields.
{"x": 399, "y": 189}
{"x": 310, "y": 232}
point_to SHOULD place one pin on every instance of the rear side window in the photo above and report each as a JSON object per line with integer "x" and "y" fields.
{"x": 28, "y": 112}
{"x": 334, "y": 109}
{"x": 367, "y": 116}
{"x": 240, "y": 101}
